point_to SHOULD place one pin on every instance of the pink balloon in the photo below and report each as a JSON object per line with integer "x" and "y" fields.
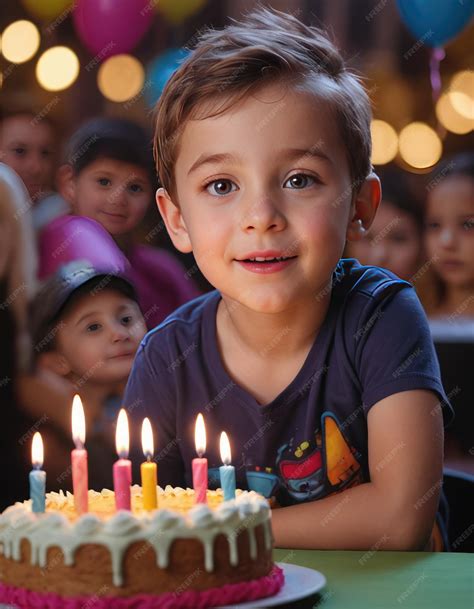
{"x": 109, "y": 27}
{"x": 69, "y": 238}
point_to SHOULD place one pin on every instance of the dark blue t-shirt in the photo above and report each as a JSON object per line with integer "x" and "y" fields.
{"x": 311, "y": 440}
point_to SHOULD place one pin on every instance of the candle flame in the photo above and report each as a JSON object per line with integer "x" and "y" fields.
{"x": 147, "y": 438}
{"x": 225, "y": 449}
{"x": 122, "y": 437}
{"x": 200, "y": 435}
{"x": 37, "y": 451}
{"x": 78, "y": 422}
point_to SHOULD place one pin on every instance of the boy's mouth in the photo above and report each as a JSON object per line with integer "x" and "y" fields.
{"x": 266, "y": 256}
{"x": 265, "y": 262}
{"x": 114, "y": 215}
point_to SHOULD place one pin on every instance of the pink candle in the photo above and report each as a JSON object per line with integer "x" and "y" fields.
{"x": 79, "y": 458}
{"x": 200, "y": 463}
{"x": 123, "y": 467}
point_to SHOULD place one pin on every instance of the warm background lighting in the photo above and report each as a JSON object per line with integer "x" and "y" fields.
{"x": 57, "y": 68}
{"x": 384, "y": 142}
{"x": 420, "y": 145}
{"x": 20, "y": 41}
{"x": 120, "y": 77}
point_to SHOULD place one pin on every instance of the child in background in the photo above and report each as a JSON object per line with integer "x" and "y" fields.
{"x": 86, "y": 327}
{"x": 449, "y": 242}
{"x": 110, "y": 178}
{"x": 394, "y": 240}
{"x": 321, "y": 371}
{"x": 28, "y": 146}
{"x": 449, "y": 238}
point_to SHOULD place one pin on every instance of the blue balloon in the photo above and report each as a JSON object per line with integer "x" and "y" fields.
{"x": 160, "y": 70}
{"x": 435, "y": 22}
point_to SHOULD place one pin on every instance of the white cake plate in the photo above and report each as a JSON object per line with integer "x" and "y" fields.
{"x": 300, "y": 582}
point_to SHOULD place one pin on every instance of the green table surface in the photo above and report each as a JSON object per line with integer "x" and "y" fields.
{"x": 379, "y": 580}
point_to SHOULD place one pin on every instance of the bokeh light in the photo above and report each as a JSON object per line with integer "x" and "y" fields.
{"x": 20, "y": 41}
{"x": 384, "y": 142}
{"x": 449, "y": 116}
{"x": 57, "y": 68}
{"x": 420, "y": 145}
{"x": 120, "y": 77}
{"x": 462, "y": 93}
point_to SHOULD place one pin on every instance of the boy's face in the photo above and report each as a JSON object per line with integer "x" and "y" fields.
{"x": 98, "y": 337}
{"x": 28, "y": 147}
{"x": 267, "y": 178}
{"x": 449, "y": 234}
{"x": 114, "y": 193}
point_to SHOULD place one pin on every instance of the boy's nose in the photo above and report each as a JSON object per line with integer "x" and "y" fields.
{"x": 119, "y": 333}
{"x": 118, "y": 197}
{"x": 447, "y": 237}
{"x": 262, "y": 215}
{"x": 35, "y": 165}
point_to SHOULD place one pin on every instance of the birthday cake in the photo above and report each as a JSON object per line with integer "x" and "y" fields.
{"x": 182, "y": 555}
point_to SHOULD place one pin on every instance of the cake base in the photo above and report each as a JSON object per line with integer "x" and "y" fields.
{"x": 263, "y": 587}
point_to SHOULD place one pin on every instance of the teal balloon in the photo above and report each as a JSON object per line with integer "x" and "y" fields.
{"x": 160, "y": 70}
{"x": 436, "y": 22}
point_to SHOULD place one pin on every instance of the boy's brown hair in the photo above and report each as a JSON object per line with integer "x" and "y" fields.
{"x": 267, "y": 47}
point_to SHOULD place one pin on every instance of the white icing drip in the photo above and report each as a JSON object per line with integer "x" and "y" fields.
{"x": 159, "y": 529}
{"x": 252, "y": 543}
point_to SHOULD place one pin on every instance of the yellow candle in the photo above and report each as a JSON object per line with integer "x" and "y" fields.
{"x": 149, "y": 480}
{"x": 148, "y": 469}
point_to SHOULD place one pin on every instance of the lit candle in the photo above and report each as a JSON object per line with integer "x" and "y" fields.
{"x": 122, "y": 467}
{"x": 37, "y": 475}
{"x": 226, "y": 471}
{"x": 200, "y": 463}
{"x": 148, "y": 469}
{"x": 79, "y": 458}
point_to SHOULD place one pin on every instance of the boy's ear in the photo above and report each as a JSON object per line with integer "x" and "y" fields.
{"x": 54, "y": 362}
{"x": 66, "y": 184}
{"x": 364, "y": 207}
{"x": 174, "y": 221}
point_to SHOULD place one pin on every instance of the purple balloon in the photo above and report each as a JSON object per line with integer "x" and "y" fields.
{"x": 110, "y": 27}
{"x": 69, "y": 238}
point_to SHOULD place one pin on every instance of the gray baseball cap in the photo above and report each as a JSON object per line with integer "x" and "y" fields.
{"x": 71, "y": 280}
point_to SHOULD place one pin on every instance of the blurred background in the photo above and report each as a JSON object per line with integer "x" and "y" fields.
{"x": 120, "y": 67}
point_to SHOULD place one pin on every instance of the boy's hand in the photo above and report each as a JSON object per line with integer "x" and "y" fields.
{"x": 396, "y": 509}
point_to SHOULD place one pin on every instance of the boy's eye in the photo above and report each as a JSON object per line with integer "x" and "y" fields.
{"x": 299, "y": 181}
{"x": 220, "y": 187}
{"x": 104, "y": 181}
{"x": 135, "y": 188}
{"x": 127, "y": 320}
{"x": 468, "y": 224}
{"x": 93, "y": 327}
{"x": 46, "y": 153}
{"x": 19, "y": 150}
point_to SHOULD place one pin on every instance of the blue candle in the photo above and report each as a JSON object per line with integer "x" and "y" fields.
{"x": 37, "y": 476}
{"x": 226, "y": 471}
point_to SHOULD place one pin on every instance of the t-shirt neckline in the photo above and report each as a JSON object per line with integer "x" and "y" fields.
{"x": 304, "y": 377}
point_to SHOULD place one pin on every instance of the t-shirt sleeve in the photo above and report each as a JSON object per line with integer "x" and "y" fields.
{"x": 394, "y": 351}
{"x": 149, "y": 394}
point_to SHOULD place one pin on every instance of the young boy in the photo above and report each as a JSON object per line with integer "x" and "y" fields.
{"x": 86, "y": 328}
{"x": 109, "y": 177}
{"x": 321, "y": 371}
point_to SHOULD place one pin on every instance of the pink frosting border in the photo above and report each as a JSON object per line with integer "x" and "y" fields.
{"x": 189, "y": 599}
